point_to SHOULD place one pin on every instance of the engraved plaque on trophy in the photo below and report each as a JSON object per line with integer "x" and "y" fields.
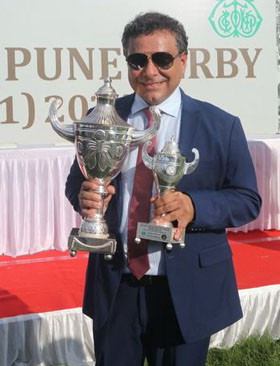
{"x": 168, "y": 167}
{"x": 102, "y": 141}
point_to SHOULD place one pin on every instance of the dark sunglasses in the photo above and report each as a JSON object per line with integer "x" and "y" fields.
{"x": 162, "y": 60}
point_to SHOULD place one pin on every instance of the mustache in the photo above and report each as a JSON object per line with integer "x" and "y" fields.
{"x": 151, "y": 81}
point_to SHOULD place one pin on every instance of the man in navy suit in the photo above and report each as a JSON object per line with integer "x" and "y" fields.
{"x": 168, "y": 315}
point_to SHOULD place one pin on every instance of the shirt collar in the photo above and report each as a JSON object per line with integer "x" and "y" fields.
{"x": 170, "y": 106}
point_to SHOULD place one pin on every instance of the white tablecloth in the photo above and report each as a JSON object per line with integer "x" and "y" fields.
{"x": 265, "y": 152}
{"x": 35, "y": 215}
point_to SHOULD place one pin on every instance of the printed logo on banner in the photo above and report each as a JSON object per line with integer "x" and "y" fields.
{"x": 235, "y": 18}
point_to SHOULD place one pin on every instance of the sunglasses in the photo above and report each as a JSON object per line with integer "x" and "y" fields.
{"x": 162, "y": 60}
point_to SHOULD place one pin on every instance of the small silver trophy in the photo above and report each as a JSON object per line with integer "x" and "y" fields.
{"x": 102, "y": 141}
{"x": 168, "y": 167}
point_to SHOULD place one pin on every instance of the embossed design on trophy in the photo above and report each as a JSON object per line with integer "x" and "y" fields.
{"x": 102, "y": 141}
{"x": 168, "y": 168}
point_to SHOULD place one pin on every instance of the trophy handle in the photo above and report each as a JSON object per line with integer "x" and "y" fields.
{"x": 63, "y": 130}
{"x": 190, "y": 167}
{"x": 147, "y": 159}
{"x": 145, "y": 135}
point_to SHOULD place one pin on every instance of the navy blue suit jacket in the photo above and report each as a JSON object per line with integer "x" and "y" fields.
{"x": 224, "y": 192}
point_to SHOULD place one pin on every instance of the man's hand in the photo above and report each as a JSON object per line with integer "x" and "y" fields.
{"x": 174, "y": 205}
{"x": 90, "y": 201}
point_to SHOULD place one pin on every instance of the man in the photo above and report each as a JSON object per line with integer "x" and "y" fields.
{"x": 168, "y": 314}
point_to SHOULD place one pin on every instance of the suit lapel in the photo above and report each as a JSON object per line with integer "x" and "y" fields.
{"x": 188, "y": 128}
{"x": 123, "y": 106}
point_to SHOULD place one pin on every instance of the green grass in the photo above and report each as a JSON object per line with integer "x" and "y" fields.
{"x": 253, "y": 351}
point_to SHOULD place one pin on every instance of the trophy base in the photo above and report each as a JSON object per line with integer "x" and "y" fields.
{"x": 106, "y": 246}
{"x": 95, "y": 228}
{"x": 92, "y": 236}
{"x": 159, "y": 233}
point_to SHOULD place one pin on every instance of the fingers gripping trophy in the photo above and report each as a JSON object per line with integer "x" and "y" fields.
{"x": 168, "y": 167}
{"x": 102, "y": 142}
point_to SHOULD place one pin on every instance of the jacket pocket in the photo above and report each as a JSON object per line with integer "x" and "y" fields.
{"x": 211, "y": 256}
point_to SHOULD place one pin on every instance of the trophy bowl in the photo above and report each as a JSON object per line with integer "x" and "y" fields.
{"x": 102, "y": 141}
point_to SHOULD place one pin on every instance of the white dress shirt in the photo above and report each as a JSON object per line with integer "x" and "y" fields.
{"x": 169, "y": 126}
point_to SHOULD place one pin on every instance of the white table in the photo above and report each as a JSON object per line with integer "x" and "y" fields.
{"x": 265, "y": 152}
{"x": 35, "y": 215}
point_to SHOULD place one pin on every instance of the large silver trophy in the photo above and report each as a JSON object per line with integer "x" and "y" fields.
{"x": 102, "y": 141}
{"x": 168, "y": 167}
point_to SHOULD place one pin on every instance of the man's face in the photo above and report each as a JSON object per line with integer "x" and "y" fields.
{"x": 152, "y": 83}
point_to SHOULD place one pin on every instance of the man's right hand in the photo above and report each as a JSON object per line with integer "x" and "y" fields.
{"x": 90, "y": 201}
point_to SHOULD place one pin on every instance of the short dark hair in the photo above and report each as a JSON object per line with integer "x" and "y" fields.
{"x": 147, "y": 23}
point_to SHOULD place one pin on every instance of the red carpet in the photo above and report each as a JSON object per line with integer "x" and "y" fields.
{"x": 52, "y": 280}
{"x": 256, "y": 258}
{"x": 41, "y": 282}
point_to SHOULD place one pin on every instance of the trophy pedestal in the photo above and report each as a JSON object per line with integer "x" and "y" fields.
{"x": 106, "y": 246}
{"x": 158, "y": 233}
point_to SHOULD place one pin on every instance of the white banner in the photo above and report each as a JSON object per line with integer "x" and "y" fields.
{"x": 65, "y": 48}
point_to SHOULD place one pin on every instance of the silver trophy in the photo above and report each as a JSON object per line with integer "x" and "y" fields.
{"x": 102, "y": 141}
{"x": 168, "y": 167}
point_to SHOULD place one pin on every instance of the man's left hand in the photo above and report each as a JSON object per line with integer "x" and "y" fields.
{"x": 171, "y": 206}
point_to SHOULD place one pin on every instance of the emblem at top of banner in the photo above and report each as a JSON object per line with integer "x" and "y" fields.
{"x": 234, "y": 18}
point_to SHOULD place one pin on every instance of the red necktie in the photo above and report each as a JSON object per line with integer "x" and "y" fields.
{"x": 139, "y": 210}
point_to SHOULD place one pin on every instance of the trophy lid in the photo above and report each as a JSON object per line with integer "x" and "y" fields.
{"x": 106, "y": 91}
{"x": 170, "y": 147}
{"x": 105, "y": 113}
